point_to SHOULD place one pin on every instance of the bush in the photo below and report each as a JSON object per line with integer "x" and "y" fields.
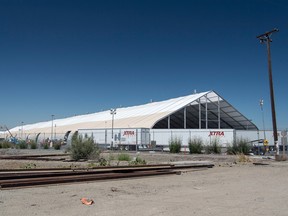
{"x": 240, "y": 146}
{"x": 196, "y": 146}
{"x": 33, "y": 145}
{"x": 46, "y": 146}
{"x": 138, "y": 161}
{"x": 214, "y": 147}
{"x": 84, "y": 148}
{"x": 57, "y": 145}
{"x": 6, "y": 144}
{"x": 175, "y": 145}
{"x": 23, "y": 144}
{"x": 124, "y": 157}
{"x": 104, "y": 162}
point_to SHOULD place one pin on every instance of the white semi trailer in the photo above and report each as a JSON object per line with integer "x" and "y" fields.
{"x": 120, "y": 138}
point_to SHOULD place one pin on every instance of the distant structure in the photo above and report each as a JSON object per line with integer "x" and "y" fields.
{"x": 207, "y": 115}
{"x": 205, "y": 110}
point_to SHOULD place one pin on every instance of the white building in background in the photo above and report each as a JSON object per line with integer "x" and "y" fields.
{"x": 206, "y": 115}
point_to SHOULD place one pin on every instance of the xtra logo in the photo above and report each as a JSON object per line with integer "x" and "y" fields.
{"x": 128, "y": 133}
{"x": 216, "y": 133}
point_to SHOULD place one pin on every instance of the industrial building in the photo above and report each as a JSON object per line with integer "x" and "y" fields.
{"x": 207, "y": 115}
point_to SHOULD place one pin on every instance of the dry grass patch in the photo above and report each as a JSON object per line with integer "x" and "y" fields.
{"x": 242, "y": 158}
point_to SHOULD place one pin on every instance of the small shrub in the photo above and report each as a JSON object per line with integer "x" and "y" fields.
{"x": 196, "y": 146}
{"x": 138, "y": 161}
{"x": 240, "y": 146}
{"x": 214, "y": 147}
{"x": 33, "y": 145}
{"x": 175, "y": 145}
{"x": 23, "y": 145}
{"x": 46, "y": 146}
{"x": 103, "y": 162}
{"x": 6, "y": 144}
{"x": 57, "y": 145}
{"x": 84, "y": 148}
{"x": 123, "y": 157}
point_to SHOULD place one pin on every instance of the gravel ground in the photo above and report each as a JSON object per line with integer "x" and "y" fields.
{"x": 230, "y": 188}
{"x": 149, "y": 157}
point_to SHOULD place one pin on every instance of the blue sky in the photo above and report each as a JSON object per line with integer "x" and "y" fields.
{"x": 69, "y": 57}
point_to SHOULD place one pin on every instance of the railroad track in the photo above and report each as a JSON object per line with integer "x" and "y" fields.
{"x": 43, "y": 157}
{"x": 34, "y": 177}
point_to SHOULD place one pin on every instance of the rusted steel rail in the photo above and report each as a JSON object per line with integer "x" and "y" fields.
{"x": 30, "y": 178}
{"x": 50, "y": 173}
{"x": 5, "y": 184}
{"x": 36, "y": 158}
{"x": 104, "y": 167}
{"x": 75, "y": 168}
{"x": 43, "y": 157}
{"x": 32, "y": 174}
{"x": 31, "y": 156}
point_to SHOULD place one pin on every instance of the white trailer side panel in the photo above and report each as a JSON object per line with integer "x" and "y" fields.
{"x": 121, "y": 136}
{"x": 162, "y": 136}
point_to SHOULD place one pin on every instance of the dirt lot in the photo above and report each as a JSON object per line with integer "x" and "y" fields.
{"x": 230, "y": 188}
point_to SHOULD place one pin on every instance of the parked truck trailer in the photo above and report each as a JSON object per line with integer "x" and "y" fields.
{"x": 119, "y": 138}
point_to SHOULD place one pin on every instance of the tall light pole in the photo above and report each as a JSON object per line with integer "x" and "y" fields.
{"x": 22, "y": 130}
{"x": 266, "y": 38}
{"x": 55, "y": 133}
{"x": 112, "y": 112}
{"x": 52, "y": 127}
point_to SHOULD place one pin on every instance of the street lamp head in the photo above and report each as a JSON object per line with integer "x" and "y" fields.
{"x": 261, "y": 102}
{"x": 112, "y": 111}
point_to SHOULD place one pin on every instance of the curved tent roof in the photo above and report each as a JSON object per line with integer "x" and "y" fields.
{"x": 199, "y": 110}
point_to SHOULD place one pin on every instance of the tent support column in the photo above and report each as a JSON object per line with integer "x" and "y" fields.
{"x": 199, "y": 101}
{"x": 206, "y": 112}
{"x": 185, "y": 114}
{"x": 169, "y": 122}
{"x": 219, "y": 122}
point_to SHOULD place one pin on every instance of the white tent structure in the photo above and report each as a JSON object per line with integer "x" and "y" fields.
{"x": 206, "y": 110}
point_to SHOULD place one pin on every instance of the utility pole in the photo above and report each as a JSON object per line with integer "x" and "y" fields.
{"x": 266, "y": 38}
